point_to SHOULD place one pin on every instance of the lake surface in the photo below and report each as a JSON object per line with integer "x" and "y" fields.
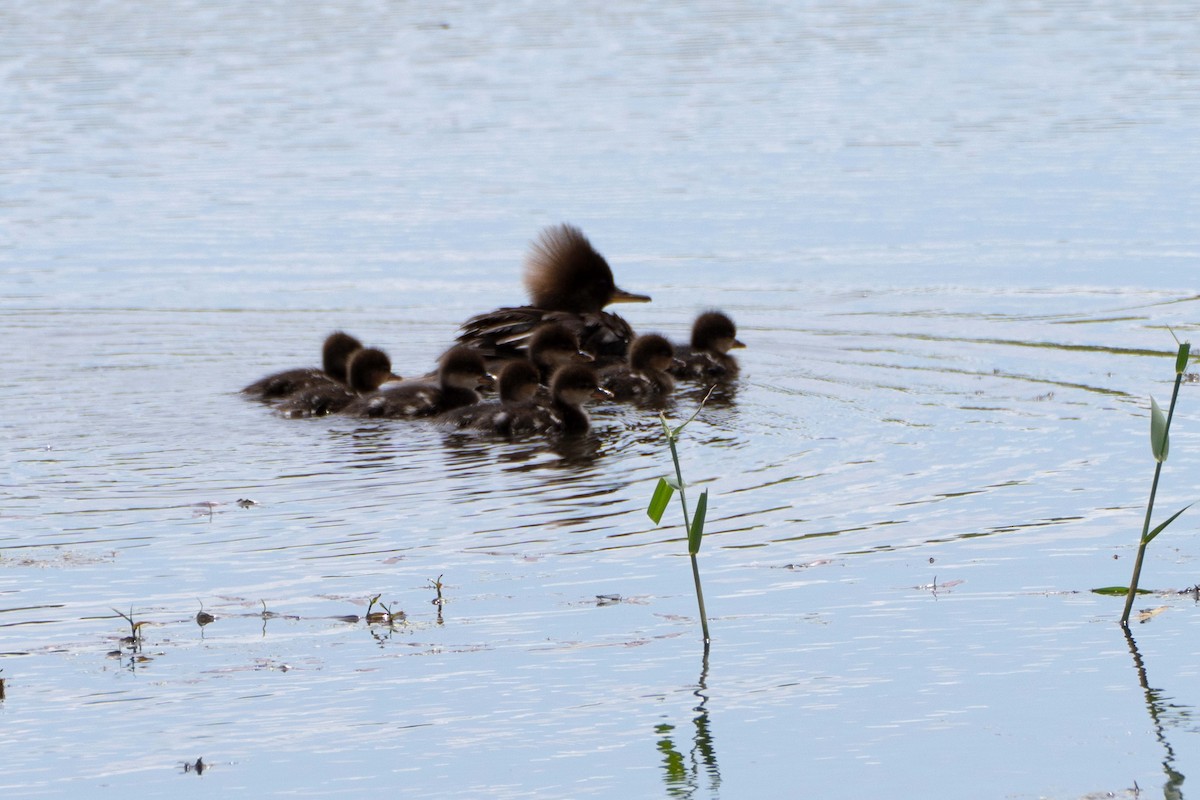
{"x": 956, "y": 242}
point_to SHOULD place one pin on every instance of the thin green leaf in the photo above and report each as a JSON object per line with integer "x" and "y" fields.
{"x": 1150, "y": 536}
{"x": 658, "y": 503}
{"x": 697, "y": 531}
{"x": 1159, "y": 443}
{"x": 1181, "y": 360}
{"x": 1117, "y": 591}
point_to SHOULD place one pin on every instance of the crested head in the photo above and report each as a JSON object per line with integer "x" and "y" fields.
{"x": 518, "y": 381}
{"x": 563, "y": 272}
{"x": 714, "y": 331}
{"x": 651, "y": 351}
{"x": 336, "y": 352}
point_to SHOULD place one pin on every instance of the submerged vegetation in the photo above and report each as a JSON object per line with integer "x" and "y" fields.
{"x": 694, "y": 525}
{"x": 1160, "y": 440}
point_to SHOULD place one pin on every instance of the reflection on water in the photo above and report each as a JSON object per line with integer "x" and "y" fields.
{"x": 683, "y": 773}
{"x": 1161, "y": 713}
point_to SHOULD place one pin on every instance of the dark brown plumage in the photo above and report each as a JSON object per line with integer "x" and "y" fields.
{"x": 568, "y": 282}
{"x": 707, "y": 356}
{"x": 645, "y": 377}
{"x": 335, "y": 355}
{"x": 460, "y": 374}
{"x": 518, "y": 384}
{"x": 367, "y": 371}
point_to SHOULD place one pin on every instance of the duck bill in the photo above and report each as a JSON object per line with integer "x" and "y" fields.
{"x": 584, "y": 356}
{"x": 486, "y": 381}
{"x": 738, "y": 344}
{"x": 621, "y": 296}
{"x": 602, "y": 394}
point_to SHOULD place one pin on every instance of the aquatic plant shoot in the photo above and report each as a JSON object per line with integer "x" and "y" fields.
{"x": 1160, "y": 440}
{"x": 666, "y": 488}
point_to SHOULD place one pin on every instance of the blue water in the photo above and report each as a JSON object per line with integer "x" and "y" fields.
{"x": 954, "y": 240}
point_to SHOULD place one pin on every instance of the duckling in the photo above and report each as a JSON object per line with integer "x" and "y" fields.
{"x": 460, "y": 373}
{"x": 367, "y": 371}
{"x": 707, "y": 357}
{"x": 552, "y": 346}
{"x": 645, "y": 377}
{"x": 569, "y": 283}
{"x": 571, "y": 387}
{"x": 518, "y": 384}
{"x": 335, "y": 354}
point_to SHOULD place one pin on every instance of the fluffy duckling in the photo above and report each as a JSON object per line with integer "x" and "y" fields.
{"x": 707, "y": 357}
{"x": 571, "y": 387}
{"x": 367, "y": 371}
{"x": 645, "y": 377}
{"x": 335, "y": 355}
{"x": 518, "y": 384}
{"x": 569, "y": 283}
{"x": 460, "y": 374}
{"x": 553, "y": 346}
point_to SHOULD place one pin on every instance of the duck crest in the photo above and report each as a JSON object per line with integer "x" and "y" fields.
{"x": 564, "y": 272}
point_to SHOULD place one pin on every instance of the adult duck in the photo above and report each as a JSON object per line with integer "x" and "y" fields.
{"x": 568, "y": 282}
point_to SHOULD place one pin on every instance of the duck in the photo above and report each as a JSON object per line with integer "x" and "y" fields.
{"x": 461, "y": 373}
{"x": 568, "y": 282}
{"x": 335, "y": 354}
{"x": 645, "y": 377}
{"x": 571, "y": 387}
{"x": 707, "y": 356}
{"x": 518, "y": 383}
{"x": 368, "y": 369}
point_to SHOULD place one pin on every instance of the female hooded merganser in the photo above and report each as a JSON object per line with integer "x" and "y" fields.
{"x": 568, "y": 282}
{"x": 713, "y": 336}
{"x": 518, "y": 384}
{"x": 367, "y": 371}
{"x": 335, "y": 355}
{"x": 645, "y": 377}
{"x": 460, "y": 373}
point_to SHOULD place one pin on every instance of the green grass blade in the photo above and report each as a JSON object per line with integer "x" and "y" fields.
{"x": 1181, "y": 360}
{"x": 1150, "y": 536}
{"x": 1159, "y": 441}
{"x": 697, "y": 531}
{"x": 1117, "y": 591}
{"x": 658, "y": 503}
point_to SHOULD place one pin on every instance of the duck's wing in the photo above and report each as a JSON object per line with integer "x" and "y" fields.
{"x": 504, "y": 333}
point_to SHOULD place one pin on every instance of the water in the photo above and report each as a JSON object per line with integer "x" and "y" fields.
{"x": 953, "y": 239}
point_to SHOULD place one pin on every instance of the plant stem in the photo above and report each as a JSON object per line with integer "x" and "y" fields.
{"x": 700, "y": 601}
{"x": 687, "y": 526}
{"x": 1141, "y": 554}
{"x": 687, "y": 520}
